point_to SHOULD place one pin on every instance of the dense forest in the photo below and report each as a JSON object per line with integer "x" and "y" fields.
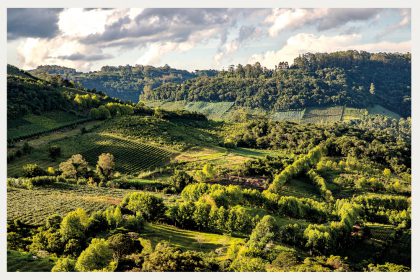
{"x": 352, "y": 78}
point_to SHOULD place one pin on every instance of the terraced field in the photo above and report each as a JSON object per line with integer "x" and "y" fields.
{"x": 353, "y": 113}
{"x": 291, "y": 115}
{"x": 33, "y": 125}
{"x": 323, "y": 115}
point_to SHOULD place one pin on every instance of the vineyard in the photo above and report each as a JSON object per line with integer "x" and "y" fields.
{"x": 130, "y": 156}
{"x": 34, "y": 206}
{"x": 353, "y": 113}
{"x": 323, "y": 115}
{"x": 34, "y": 125}
{"x": 291, "y": 115}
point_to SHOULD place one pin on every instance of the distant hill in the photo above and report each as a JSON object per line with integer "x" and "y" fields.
{"x": 123, "y": 82}
{"x": 351, "y": 78}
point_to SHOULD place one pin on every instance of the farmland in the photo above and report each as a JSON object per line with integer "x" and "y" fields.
{"x": 32, "y": 125}
{"x": 227, "y": 111}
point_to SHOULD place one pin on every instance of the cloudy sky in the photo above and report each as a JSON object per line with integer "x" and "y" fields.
{"x": 87, "y": 39}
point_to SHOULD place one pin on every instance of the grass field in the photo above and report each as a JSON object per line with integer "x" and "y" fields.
{"x": 26, "y": 262}
{"x": 300, "y": 188}
{"x": 187, "y": 239}
{"x": 379, "y": 110}
{"x": 30, "y": 125}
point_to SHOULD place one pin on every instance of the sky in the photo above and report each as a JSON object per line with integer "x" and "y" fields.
{"x": 191, "y": 39}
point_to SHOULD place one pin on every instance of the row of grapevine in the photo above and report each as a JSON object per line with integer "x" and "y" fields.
{"x": 130, "y": 156}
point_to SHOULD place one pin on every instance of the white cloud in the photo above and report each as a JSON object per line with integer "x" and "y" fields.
{"x": 322, "y": 19}
{"x": 282, "y": 19}
{"x": 155, "y": 51}
{"x": 81, "y": 22}
{"x": 305, "y": 42}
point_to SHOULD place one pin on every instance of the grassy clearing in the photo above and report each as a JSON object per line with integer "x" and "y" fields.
{"x": 34, "y": 206}
{"x": 379, "y": 110}
{"x": 31, "y": 124}
{"x": 300, "y": 188}
{"x": 26, "y": 262}
{"x": 187, "y": 239}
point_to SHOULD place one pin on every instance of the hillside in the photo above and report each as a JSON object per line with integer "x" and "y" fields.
{"x": 351, "y": 78}
{"x": 164, "y": 189}
{"x": 123, "y": 82}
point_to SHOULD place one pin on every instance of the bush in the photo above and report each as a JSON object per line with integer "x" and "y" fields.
{"x": 32, "y": 170}
{"x": 98, "y": 256}
{"x": 150, "y": 207}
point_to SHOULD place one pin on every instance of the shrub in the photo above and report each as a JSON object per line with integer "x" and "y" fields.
{"x": 32, "y": 170}
{"x": 98, "y": 256}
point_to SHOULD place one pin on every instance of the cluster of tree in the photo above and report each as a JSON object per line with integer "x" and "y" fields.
{"x": 69, "y": 237}
{"x": 267, "y": 166}
{"x": 26, "y": 95}
{"x": 362, "y": 140}
{"x": 352, "y": 78}
{"x": 388, "y": 209}
{"x": 17, "y": 153}
{"x": 303, "y": 163}
{"x": 300, "y": 208}
{"x": 202, "y": 215}
{"x": 321, "y": 238}
{"x": 229, "y": 196}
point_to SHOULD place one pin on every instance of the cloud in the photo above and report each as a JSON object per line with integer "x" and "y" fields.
{"x": 60, "y": 50}
{"x": 305, "y": 42}
{"x": 322, "y": 19}
{"x": 246, "y": 32}
{"x": 34, "y": 23}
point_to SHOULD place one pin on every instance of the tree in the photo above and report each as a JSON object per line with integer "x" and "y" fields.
{"x": 54, "y": 152}
{"x": 98, "y": 256}
{"x": 105, "y": 165}
{"x": 180, "y": 180}
{"x": 263, "y": 233}
{"x": 74, "y": 225}
{"x": 372, "y": 89}
{"x": 74, "y": 167}
{"x": 32, "y": 170}
{"x": 170, "y": 259}
{"x": 123, "y": 244}
{"x": 150, "y": 207}
{"x": 65, "y": 264}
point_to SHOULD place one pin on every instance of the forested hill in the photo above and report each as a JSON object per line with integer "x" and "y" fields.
{"x": 352, "y": 78}
{"x": 27, "y": 94}
{"x": 123, "y": 82}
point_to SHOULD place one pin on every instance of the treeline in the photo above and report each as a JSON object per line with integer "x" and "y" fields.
{"x": 352, "y": 78}
{"x": 298, "y": 166}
